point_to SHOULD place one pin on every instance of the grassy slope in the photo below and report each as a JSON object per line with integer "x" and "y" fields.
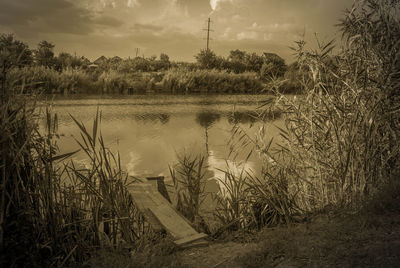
{"x": 368, "y": 239}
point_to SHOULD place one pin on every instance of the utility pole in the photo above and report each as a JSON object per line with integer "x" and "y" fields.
{"x": 208, "y": 32}
{"x": 137, "y": 51}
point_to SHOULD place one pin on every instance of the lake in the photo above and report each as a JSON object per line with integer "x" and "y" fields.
{"x": 150, "y": 131}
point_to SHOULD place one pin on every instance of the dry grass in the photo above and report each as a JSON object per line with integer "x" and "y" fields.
{"x": 54, "y": 212}
{"x": 210, "y": 81}
{"x": 339, "y": 146}
{"x": 188, "y": 176}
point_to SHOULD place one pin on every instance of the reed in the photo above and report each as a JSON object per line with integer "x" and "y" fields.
{"x": 338, "y": 147}
{"x": 53, "y": 212}
{"x": 233, "y": 200}
{"x": 40, "y": 79}
{"x": 210, "y": 81}
{"x": 189, "y": 180}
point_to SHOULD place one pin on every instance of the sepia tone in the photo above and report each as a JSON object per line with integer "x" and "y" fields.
{"x": 199, "y": 133}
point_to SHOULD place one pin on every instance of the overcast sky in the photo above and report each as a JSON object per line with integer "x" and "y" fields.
{"x": 117, "y": 27}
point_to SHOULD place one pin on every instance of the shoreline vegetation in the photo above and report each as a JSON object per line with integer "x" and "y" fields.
{"x": 332, "y": 184}
{"x": 40, "y": 71}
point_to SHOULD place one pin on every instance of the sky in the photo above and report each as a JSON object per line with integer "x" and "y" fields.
{"x": 93, "y": 28}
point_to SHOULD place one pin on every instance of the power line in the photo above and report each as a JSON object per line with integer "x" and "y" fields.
{"x": 208, "y": 32}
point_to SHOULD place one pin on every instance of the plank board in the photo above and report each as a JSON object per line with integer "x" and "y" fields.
{"x": 148, "y": 199}
{"x": 190, "y": 239}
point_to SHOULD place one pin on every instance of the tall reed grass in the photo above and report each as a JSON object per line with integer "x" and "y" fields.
{"x": 339, "y": 146}
{"x": 210, "y": 81}
{"x": 40, "y": 79}
{"x": 189, "y": 179}
{"x": 54, "y": 212}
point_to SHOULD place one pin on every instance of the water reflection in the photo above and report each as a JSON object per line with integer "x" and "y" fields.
{"x": 243, "y": 117}
{"x": 163, "y": 118}
{"x": 206, "y": 119}
{"x": 148, "y": 136}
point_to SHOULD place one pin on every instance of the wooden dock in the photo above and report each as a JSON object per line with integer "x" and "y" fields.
{"x": 152, "y": 199}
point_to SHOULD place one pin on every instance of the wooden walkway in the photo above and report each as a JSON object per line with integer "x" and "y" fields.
{"x": 152, "y": 199}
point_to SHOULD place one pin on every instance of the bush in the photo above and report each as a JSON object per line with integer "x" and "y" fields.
{"x": 340, "y": 139}
{"x": 210, "y": 81}
{"x": 42, "y": 79}
{"x": 339, "y": 146}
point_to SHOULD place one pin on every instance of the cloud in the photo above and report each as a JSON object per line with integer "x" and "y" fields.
{"x": 107, "y": 21}
{"x": 146, "y": 27}
{"x": 247, "y": 35}
{"x": 27, "y": 18}
{"x": 116, "y": 27}
{"x": 133, "y": 3}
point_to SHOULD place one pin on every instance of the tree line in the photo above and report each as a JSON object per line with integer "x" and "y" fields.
{"x": 266, "y": 67}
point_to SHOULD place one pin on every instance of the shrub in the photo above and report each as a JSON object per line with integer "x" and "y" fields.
{"x": 42, "y": 79}
{"x": 210, "y": 81}
{"x": 338, "y": 146}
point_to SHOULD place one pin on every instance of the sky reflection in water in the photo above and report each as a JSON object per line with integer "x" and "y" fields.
{"x": 149, "y": 137}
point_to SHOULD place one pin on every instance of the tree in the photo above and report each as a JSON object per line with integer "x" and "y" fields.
{"x": 164, "y": 61}
{"x": 236, "y": 60}
{"x": 65, "y": 60}
{"x": 45, "y": 54}
{"x": 237, "y": 55}
{"x": 206, "y": 59}
{"x": 253, "y": 62}
{"x": 164, "y": 58}
{"x": 14, "y": 52}
{"x": 274, "y": 66}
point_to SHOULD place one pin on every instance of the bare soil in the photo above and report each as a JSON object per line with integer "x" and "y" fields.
{"x": 367, "y": 239}
{"x": 343, "y": 241}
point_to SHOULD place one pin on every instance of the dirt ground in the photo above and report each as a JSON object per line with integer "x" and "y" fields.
{"x": 348, "y": 241}
{"x": 368, "y": 239}
{"x": 221, "y": 254}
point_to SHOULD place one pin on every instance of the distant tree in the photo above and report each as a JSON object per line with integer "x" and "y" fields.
{"x": 14, "y": 52}
{"x": 237, "y": 55}
{"x": 236, "y": 60}
{"x": 253, "y": 62}
{"x": 221, "y": 63}
{"x": 164, "y": 61}
{"x": 206, "y": 59}
{"x": 140, "y": 64}
{"x": 164, "y": 57}
{"x": 66, "y": 60}
{"x": 45, "y": 54}
{"x": 274, "y": 66}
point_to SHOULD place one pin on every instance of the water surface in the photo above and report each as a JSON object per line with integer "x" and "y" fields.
{"x": 150, "y": 131}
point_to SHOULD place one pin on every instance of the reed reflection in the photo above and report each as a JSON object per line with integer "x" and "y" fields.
{"x": 242, "y": 117}
{"x": 206, "y": 119}
{"x": 163, "y": 118}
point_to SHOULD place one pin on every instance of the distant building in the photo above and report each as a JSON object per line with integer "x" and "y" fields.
{"x": 116, "y": 59}
{"x": 100, "y": 60}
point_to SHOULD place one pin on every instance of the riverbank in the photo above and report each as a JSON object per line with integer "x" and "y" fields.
{"x": 370, "y": 238}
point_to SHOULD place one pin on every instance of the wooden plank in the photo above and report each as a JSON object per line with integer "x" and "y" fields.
{"x": 154, "y": 222}
{"x": 161, "y": 186}
{"x": 161, "y": 214}
{"x": 172, "y": 222}
{"x": 189, "y": 239}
